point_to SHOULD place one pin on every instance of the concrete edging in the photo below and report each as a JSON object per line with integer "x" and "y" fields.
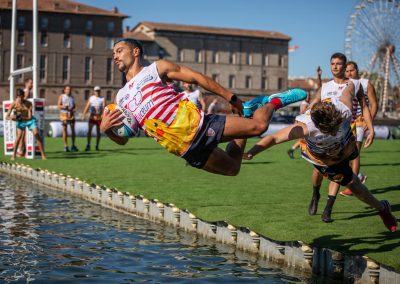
{"x": 294, "y": 254}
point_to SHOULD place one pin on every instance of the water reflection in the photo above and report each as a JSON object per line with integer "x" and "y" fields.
{"x": 49, "y": 237}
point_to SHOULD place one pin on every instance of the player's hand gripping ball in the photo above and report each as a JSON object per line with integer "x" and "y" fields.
{"x": 129, "y": 127}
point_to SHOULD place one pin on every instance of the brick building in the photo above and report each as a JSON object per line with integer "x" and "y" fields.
{"x": 75, "y": 48}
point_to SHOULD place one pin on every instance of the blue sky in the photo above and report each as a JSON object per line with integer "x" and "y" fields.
{"x": 317, "y": 26}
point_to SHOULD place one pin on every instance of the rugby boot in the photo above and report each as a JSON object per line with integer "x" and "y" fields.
{"x": 387, "y": 217}
{"x": 326, "y": 216}
{"x": 312, "y": 209}
{"x": 286, "y": 98}
{"x": 290, "y": 153}
{"x": 290, "y": 96}
{"x": 251, "y": 106}
{"x": 346, "y": 192}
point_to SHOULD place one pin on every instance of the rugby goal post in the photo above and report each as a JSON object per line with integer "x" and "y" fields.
{"x": 38, "y": 104}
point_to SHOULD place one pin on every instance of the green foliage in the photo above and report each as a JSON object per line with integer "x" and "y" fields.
{"x": 270, "y": 195}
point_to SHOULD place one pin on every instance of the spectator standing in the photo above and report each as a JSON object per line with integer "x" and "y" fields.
{"x": 28, "y": 85}
{"x": 21, "y": 112}
{"x": 66, "y": 105}
{"x": 95, "y": 105}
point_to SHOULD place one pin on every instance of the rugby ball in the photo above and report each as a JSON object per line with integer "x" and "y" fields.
{"x": 129, "y": 127}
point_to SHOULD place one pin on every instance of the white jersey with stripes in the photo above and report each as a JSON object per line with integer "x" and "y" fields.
{"x": 357, "y": 111}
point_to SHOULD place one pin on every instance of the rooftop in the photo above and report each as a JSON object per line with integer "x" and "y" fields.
{"x": 61, "y": 6}
{"x": 137, "y": 35}
{"x": 210, "y": 30}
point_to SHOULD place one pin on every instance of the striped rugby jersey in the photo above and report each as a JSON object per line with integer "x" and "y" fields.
{"x": 357, "y": 111}
{"x": 147, "y": 97}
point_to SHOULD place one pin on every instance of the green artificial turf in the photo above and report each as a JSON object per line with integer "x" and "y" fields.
{"x": 270, "y": 195}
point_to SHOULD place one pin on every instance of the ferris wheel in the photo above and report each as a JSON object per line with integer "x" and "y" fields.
{"x": 373, "y": 41}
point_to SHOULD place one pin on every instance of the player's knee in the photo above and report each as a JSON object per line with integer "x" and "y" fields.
{"x": 259, "y": 127}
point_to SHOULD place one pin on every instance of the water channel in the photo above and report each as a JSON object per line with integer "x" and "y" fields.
{"x": 53, "y": 237}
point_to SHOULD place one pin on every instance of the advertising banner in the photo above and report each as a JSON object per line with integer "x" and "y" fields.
{"x": 9, "y": 130}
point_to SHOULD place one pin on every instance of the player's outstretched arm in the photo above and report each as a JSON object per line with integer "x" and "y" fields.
{"x": 373, "y": 104}
{"x": 316, "y": 99}
{"x": 109, "y": 120}
{"x": 169, "y": 71}
{"x": 292, "y": 132}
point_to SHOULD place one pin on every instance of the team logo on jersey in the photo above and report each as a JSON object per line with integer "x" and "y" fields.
{"x": 210, "y": 132}
{"x": 135, "y": 102}
{"x": 144, "y": 81}
{"x": 332, "y": 94}
{"x": 124, "y": 98}
{"x": 130, "y": 86}
{"x": 144, "y": 110}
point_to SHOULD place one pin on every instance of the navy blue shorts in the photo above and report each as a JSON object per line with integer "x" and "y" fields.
{"x": 340, "y": 173}
{"x": 206, "y": 140}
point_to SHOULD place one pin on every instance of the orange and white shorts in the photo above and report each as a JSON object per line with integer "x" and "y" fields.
{"x": 358, "y": 128}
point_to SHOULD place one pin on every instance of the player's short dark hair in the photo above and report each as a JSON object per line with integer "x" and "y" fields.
{"x": 352, "y": 63}
{"x": 27, "y": 80}
{"x": 326, "y": 117}
{"x": 339, "y": 55}
{"x": 131, "y": 42}
{"x": 20, "y": 93}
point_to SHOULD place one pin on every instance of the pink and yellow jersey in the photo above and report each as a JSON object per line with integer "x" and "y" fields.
{"x": 163, "y": 113}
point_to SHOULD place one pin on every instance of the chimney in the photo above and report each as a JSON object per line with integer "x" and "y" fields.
{"x": 115, "y": 10}
{"x": 127, "y": 28}
{"x": 56, "y": 5}
{"x": 77, "y": 7}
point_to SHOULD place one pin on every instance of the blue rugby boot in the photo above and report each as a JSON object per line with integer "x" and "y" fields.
{"x": 290, "y": 96}
{"x": 251, "y": 106}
